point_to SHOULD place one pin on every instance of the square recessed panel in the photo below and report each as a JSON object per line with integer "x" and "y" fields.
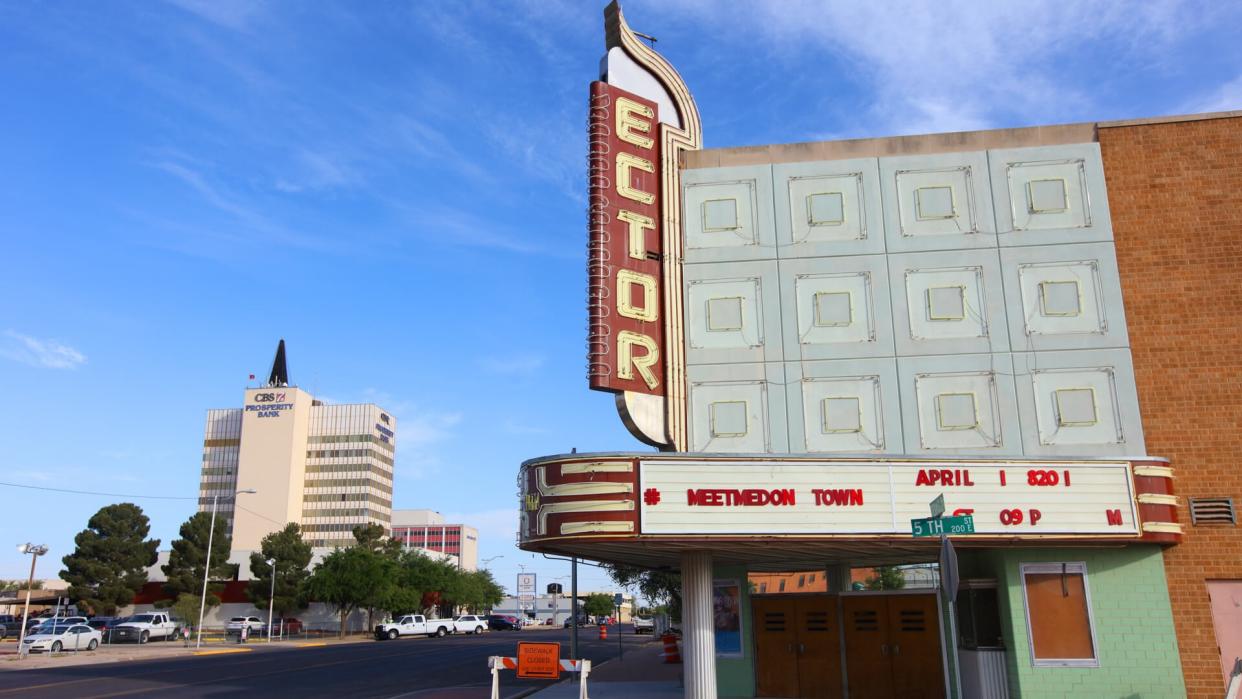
{"x": 828, "y": 208}
{"x": 720, "y": 215}
{"x": 937, "y": 202}
{"x": 733, "y": 315}
{"x": 1061, "y": 298}
{"x": 1075, "y": 407}
{"x": 946, "y": 302}
{"x": 843, "y": 413}
{"x": 840, "y": 414}
{"x": 825, "y": 209}
{"x": 960, "y": 404}
{"x": 737, "y": 408}
{"x": 728, "y": 214}
{"x": 1050, "y": 195}
{"x": 728, "y": 418}
{"x": 1079, "y": 403}
{"x": 838, "y": 315}
{"x": 724, "y": 314}
{"x": 834, "y": 309}
{"x": 934, "y": 203}
{"x": 1047, "y": 196}
{"x": 956, "y": 411}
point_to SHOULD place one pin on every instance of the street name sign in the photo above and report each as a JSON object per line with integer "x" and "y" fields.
{"x": 936, "y": 526}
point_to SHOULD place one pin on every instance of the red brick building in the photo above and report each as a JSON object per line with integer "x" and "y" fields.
{"x": 1175, "y": 187}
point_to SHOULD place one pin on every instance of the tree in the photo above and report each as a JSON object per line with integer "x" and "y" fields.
{"x": 886, "y": 578}
{"x": 15, "y": 585}
{"x": 598, "y": 604}
{"x": 475, "y": 590}
{"x": 185, "y": 607}
{"x": 292, "y": 556}
{"x": 350, "y": 578}
{"x": 431, "y": 580}
{"x": 373, "y": 537}
{"x": 184, "y": 570}
{"x": 109, "y": 565}
{"x": 658, "y": 586}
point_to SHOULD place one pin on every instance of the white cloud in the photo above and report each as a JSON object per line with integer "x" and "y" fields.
{"x": 233, "y": 14}
{"x": 47, "y": 354}
{"x": 1225, "y": 98}
{"x": 958, "y": 64}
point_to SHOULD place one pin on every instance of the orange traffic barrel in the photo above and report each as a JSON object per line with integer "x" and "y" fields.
{"x": 671, "y": 654}
{"x": 603, "y": 632}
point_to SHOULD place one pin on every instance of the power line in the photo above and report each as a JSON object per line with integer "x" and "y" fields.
{"x": 93, "y": 492}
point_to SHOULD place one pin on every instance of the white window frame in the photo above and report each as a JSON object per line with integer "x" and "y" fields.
{"x": 1078, "y": 568}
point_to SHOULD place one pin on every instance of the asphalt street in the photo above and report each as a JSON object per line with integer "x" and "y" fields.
{"x": 455, "y": 666}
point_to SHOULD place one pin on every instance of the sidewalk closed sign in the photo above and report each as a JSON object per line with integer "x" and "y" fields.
{"x": 541, "y": 661}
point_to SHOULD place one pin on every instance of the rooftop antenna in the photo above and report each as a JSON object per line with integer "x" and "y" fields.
{"x": 280, "y": 370}
{"x": 650, "y": 39}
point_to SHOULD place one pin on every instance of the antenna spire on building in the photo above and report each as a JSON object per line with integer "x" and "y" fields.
{"x": 280, "y": 371}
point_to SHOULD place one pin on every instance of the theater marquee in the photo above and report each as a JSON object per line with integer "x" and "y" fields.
{"x": 685, "y": 497}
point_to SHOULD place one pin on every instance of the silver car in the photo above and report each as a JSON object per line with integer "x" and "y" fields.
{"x": 56, "y": 638}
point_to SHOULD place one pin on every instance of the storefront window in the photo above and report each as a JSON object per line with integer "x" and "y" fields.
{"x": 1058, "y": 614}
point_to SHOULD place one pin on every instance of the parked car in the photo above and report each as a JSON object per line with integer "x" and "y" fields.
{"x": 644, "y": 625}
{"x": 54, "y": 638}
{"x": 470, "y": 624}
{"x": 105, "y": 626}
{"x": 286, "y": 626}
{"x": 413, "y": 625}
{"x": 499, "y": 622}
{"x": 11, "y": 623}
{"x": 147, "y": 626}
{"x": 235, "y": 625}
{"x": 582, "y": 621}
{"x": 59, "y": 621}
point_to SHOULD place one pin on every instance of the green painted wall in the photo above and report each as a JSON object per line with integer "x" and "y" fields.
{"x": 735, "y": 677}
{"x": 1133, "y": 624}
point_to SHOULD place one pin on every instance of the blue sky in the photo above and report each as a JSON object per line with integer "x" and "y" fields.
{"x": 398, "y": 190}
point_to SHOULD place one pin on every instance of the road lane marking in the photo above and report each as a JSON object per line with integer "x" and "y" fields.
{"x": 311, "y": 645}
{"x": 223, "y": 651}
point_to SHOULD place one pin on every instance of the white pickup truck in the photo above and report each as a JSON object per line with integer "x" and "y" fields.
{"x": 147, "y": 626}
{"x": 414, "y": 625}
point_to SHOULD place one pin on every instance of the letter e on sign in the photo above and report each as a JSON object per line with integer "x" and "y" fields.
{"x": 541, "y": 661}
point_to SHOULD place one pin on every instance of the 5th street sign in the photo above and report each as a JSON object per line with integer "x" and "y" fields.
{"x": 935, "y": 526}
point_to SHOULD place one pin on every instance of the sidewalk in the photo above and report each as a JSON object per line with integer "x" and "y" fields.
{"x": 155, "y": 650}
{"x": 641, "y": 673}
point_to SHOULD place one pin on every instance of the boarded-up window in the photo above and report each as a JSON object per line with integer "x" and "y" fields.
{"x": 1058, "y": 614}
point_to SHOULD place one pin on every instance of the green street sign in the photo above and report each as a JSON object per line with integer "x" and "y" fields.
{"x": 935, "y": 526}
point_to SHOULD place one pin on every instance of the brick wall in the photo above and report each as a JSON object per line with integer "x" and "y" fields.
{"x": 1175, "y": 190}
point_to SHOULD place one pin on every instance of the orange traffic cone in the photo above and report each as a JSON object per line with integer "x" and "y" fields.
{"x": 603, "y": 632}
{"x": 671, "y": 654}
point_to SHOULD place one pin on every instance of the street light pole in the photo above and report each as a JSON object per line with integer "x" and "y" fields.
{"x": 35, "y": 552}
{"x": 202, "y": 601}
{"x": 271, "y": 602}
